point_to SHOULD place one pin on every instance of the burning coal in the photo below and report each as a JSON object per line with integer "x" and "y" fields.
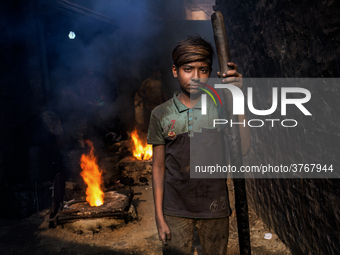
{"x": 92, "y": 176}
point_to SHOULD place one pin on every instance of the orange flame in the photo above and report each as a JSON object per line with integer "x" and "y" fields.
{"x": 92, "y": 176}
{"x": 141, "y": 150}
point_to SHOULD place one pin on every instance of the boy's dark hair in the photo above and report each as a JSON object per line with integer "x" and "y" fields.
{"x": 194, "y": 48}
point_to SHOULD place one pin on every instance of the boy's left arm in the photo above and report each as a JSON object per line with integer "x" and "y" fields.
{"x": 232, "y": 76}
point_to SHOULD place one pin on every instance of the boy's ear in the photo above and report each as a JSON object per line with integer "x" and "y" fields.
{"x": 174, "y": 71}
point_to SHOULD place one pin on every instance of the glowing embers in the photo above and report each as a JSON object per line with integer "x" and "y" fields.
{"x": 141, "y": 150}
{"x": 92, "y": 176}
{"x": 114, "y": 202}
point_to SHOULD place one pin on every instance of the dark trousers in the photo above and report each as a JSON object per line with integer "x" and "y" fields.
{"x": 213, "y": 235}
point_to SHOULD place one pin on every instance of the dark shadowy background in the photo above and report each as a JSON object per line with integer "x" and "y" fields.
{"x": 47, "y": 81}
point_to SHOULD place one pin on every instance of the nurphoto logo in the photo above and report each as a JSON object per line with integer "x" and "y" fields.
{"x": 238, "y": 105}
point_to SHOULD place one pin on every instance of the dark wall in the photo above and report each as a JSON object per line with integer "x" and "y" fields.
{"x": 22, "y": 99}
{"x": 293, "y": 39}
{"x": 284, "y": 38}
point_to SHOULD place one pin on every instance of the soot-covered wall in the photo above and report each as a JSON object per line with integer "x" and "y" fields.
{"x": 290, "y": 39}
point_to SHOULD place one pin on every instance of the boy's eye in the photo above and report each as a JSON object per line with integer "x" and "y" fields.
{"x": 187, "y": 69}
{"x": 204, "y": 71}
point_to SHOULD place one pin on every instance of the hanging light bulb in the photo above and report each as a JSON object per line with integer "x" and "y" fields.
{"x": 71, "y": 35}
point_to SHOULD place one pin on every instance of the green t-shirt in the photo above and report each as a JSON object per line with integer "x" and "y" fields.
{"x": 175, "y": 125}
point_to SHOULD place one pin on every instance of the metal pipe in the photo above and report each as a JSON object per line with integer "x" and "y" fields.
{"x": 234, "y": 139}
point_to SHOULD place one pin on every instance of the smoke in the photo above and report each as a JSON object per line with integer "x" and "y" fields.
{"x": 95, "y": 75}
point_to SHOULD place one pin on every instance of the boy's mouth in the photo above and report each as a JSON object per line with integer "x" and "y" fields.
{"x": 196, "y": 84}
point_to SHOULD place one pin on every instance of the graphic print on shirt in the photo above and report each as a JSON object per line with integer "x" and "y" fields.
{"x": 166, "y": 126}
{"x": 214, "y": 206}
{"x": 224, "y": 203}
{"x": 172, "y": 133}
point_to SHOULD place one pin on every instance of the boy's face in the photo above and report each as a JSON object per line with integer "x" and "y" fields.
{"x": 190, "y": 74}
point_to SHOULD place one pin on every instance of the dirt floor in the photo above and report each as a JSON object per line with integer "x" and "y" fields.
{"x": 33, "y": 236}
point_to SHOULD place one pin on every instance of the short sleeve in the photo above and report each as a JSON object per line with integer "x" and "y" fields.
{"x": 155, "y": 131}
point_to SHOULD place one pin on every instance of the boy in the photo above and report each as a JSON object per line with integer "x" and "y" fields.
{"x": 181, "y": 203}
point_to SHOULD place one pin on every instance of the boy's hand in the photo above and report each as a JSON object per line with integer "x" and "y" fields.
{"x": 232, "y": 76}
{"x": 163, "y": 231}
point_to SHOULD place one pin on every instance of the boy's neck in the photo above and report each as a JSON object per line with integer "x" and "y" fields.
{"x": 186, "y": 100}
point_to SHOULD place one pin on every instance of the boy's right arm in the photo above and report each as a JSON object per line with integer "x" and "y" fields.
{"x": 158, "y": 173}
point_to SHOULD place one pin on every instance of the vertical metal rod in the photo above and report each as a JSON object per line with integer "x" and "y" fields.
{"x": 234, "y": 139}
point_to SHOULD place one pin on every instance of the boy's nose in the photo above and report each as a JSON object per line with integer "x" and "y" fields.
{"x": 196, "y": 74}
